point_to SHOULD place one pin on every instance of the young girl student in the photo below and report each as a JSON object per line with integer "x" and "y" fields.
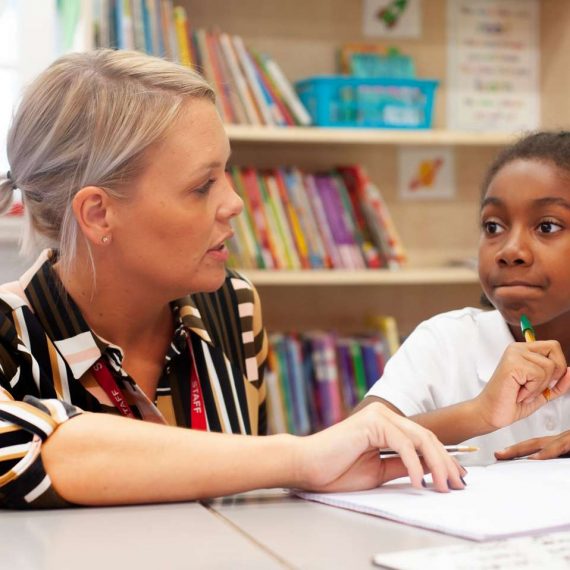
{"x": 131, "y": 314}
{"x": 469, "y": 375}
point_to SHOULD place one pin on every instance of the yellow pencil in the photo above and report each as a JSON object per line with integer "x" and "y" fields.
{"x": 529, "y": 336}
{"x": 451, "y": 449}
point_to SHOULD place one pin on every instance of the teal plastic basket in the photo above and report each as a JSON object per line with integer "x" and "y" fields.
{"x": 389, "y": 103}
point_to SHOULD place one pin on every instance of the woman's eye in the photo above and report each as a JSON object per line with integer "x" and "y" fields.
{"x": 206, "y": 187}
{"x": 549, "y": 227}
{"x": 492, "y": 228}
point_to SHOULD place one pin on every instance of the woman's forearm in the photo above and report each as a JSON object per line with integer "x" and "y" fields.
{"x": 97, "y": 459}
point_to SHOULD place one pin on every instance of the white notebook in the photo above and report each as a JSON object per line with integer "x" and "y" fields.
{"x": 551, "y": 552}
{"x": 504, "y": 499}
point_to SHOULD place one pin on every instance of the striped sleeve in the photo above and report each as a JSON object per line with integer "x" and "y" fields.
{"x": 24, "y": 426}
{"x": 260, "y": 349}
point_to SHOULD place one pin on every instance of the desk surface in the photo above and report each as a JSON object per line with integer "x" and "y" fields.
{"x": 262, "y": 529}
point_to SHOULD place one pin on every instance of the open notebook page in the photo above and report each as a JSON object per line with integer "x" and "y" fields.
{"x": 551, "y": 552}
{"x": 501, "y": 500}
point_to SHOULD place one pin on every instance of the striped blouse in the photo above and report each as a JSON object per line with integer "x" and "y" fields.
{"x": 47, "y": 351}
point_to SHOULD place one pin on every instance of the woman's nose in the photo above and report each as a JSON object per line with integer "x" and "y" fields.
{"x": 233, "y": 204}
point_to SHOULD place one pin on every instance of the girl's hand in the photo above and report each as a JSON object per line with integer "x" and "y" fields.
{"x": 344, "y": 457}
{"x": 517, "y": 386}
{"x": 547, "y": 447}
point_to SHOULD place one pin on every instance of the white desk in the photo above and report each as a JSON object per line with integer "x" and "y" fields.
{"x": 265, "y": 529}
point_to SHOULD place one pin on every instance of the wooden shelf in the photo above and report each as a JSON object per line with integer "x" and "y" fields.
{"x": 316, "y": 135}
{"x": 336, "y": 277}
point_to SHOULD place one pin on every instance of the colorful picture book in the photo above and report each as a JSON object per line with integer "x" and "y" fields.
{"x": 299, "y": 220}
{"x": 316, "y": 378}
{"x": 251, "y": 87}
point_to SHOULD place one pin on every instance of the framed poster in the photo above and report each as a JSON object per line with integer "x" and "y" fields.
{"x": 493, "y": 65}
{"x": 392, "y": 18}
{"x": 426, "y": 173}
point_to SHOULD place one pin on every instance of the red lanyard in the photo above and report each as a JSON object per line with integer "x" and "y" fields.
{"x": 197, "y": 409}
{"x": 105, "y": 379}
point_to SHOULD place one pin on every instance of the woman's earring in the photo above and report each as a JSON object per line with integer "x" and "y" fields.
{"x": 105, "y": 240}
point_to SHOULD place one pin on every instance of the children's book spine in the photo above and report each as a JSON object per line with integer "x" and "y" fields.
{"x": 289, "y": 95}
{"x": 249, "y": 71}
{"x": 300, "y": 385}
{"x": 354, "y": 178}
{"x": 165, "y": 30}
{"x": 277, "y": 96}
{"x": 181, "y": 29}
{"x": 284, "y": 228}
{"x": 333, "y": 412}
{"x": 138, "y": 25}
{"x": 219, "y": 81}
{"x": 358, "y": 366}
{"x": 394, "y": 251}
{"x": 275, "y": 239}
{"x": 270, "y": 99}
{"x": 147, "y": 15}
{"x": 388, "y": 326}
{"x": 322, "y": 222}
{"x": 371, "y": 370}
{"x": 240, "y": 81}
{"x": 346, "y": 375}
{"x": 292, "y": 215}
{"x": 334, "y": 215}
{"x": 298, "y": 193}
{"x": 278, "y": 342}
{"x": 276, "y": 412}
{"x": 352, "y": 230}
{"x": 258, "y": 215}
{"x": 245, "y": 219}
{"x": 230, "y": 88}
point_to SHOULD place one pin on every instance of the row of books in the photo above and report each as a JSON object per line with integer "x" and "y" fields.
{"x": 251, "y": 87}
{"x": 298, "y": 220}
{"x": 315, "y": 379}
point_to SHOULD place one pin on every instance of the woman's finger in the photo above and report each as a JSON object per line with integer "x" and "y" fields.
{"x": 446, "y": 472}
{"x": 397, "y": 440}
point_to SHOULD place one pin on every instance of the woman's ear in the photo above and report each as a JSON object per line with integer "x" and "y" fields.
{"x": 91, "y": 209}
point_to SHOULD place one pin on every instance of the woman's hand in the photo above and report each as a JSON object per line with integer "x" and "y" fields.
{"x": 344, "y": 457}
{"x": 517, "y": 386}
{"x": 547, "y": 447}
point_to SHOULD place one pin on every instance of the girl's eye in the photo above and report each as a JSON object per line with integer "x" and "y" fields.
{"x": 206, "y": 187}
{"x": 549, "y": 227}
{"x": 492, "y": 228}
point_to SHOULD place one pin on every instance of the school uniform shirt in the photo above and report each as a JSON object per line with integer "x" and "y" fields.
{"x": 47, "y": 351}
{"x": 449, "y": 359}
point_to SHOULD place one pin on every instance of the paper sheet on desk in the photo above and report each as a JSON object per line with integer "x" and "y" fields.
{"x": 551, "y": 551}
{"x": 501, "y": 500}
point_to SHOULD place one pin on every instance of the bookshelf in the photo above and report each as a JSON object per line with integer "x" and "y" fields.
{"x": 337, "y": 277}
{"x": 302, "y": 35}
{"x": 314, "y": 135}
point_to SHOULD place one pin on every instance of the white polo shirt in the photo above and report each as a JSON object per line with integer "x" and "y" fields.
{"x": 448, "y": 359}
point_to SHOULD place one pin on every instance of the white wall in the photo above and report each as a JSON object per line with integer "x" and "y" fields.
{"x": 30, "y": 37}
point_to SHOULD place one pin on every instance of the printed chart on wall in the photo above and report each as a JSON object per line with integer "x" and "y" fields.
{"x": 426, "y": 173}
{"x": 493, "y": 65}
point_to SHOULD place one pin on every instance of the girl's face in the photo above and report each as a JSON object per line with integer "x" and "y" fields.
{"x": 524, "y": 249}
{"x": 169, "y": 235}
